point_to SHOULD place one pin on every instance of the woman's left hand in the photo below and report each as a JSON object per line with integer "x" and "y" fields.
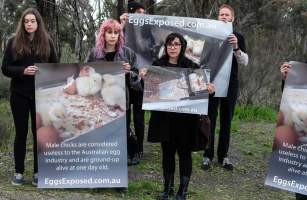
{"x": 143, "y": 72}
{"x": 211, "y": 88}
{"x": 126, "y": 67}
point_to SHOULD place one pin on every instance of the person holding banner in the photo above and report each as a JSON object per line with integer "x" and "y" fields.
{"x": 284, "y": 69}
{"x": 31, "y": 44}
{"x": 110, "y": 47}
{"x": 226, "y": 104}
{"x": 133, "y": 7}
{"x": 136, "y": 97}
{"x": 175, "y": 131}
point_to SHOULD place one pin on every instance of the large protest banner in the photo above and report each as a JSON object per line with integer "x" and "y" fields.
{"x": 180, "y": 90}
{"x": 288, "y": 164}
{"x": 81, "y": 125}
{"x": 207, "y": 43}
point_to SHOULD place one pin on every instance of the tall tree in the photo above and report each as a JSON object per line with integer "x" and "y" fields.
{"x": 120, "y": 8}
{"x": 49, "y": 12}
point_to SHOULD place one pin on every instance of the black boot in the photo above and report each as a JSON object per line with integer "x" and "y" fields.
{"x": 183, "y": 188}
{"x": 168, "y": 186}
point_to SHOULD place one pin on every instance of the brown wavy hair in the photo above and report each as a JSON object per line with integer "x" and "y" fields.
{"x": 40, "y": 43}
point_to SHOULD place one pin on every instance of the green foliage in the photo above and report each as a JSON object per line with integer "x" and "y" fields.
{"x": 147, "y": 116}
{"x": 255, "y": 113}
{"x": 143, "y": 189}
{"x": 6, "y": 126}
{"x": 4, "y": 87}
{"x": 67, "y": 54}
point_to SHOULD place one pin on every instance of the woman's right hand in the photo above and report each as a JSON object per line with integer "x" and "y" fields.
{"x": 284, "y": 69}
{"x": 30, "y": 70}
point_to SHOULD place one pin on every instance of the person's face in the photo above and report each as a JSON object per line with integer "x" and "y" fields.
{"x": 140, "y": 11}
{"x": 111, "y": 37}
{"x": 174, "y": 48}
{"x": 225, "y": 15}
{"x": 30, "y": 23}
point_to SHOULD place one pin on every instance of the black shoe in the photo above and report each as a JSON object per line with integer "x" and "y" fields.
{"x": 226, "y": 164}
{"x": 135, "y": 160}
{"x": 183, "y": 188}
{"x": 206, "y": 163}
{"x": 168, "y": 186}
{"x": 121, "y": 190}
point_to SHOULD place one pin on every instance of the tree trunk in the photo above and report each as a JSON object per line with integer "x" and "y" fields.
{"x": 151, "y": 7}
{"x": 79, "y": 32}
{"x": 120, "y": 8}
{"x": 49, "y": 12}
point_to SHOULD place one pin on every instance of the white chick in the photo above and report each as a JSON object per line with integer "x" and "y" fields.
{"x": 89, "y": 85}
{"x": 190, "y": 42}
{"x": 194, "y": 46}
{"x": 87, "y": 71}
{"x": 198, "y": 46}
{"x": 52, "y": 115}
{"x": 296, "y": 116}
{"x": 299, "y": 118}
{"x": 112, "y": 92}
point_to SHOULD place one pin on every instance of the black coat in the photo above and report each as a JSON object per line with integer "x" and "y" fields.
{"x": 14, "y": 68}
{"x": 173, "y": 127}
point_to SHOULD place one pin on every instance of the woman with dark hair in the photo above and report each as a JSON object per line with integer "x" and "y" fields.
{"x": 110, "y": 47}
{"x": 175, "y": 131}
{"x": 31, "y": 44}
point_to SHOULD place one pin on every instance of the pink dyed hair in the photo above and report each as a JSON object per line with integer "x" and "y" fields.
{"x": 100, "y": 40}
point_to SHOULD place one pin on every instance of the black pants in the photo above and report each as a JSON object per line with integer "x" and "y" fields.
{"x": 21, "y": 108}
{"x": 227, "y": 106}
{"x": 169, "y": 150}
{"x": 135, "y": 104}
{"x": 300, "y": 196}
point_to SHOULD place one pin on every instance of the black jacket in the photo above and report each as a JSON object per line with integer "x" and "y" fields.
{"x": 176, "y": 127}
{"x": 20, "y": 83}
{"x": 234, "y": 77}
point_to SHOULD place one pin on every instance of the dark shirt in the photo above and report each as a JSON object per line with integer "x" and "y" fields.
{"x": 234, "y": 78}
{"x": 14, "y": 68}
{"x": 169, "y": 126}
{"x": 110, "y": 56}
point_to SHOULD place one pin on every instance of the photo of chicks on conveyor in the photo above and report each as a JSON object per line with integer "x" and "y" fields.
{"x": 175, "y": 84}
{"x": 87, "y": 101}
{"x": 193, "y": 51}
{"x": 292, "y": 118}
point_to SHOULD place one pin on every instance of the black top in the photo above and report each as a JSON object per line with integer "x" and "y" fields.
{"x": 185, "y": 63}
{"x": 234, "y": 80}
{"x": 20, "y": 83}
{"x": 110, "y": 56}
{"x": 169, "y": 126}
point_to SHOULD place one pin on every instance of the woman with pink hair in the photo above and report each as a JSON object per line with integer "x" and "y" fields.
{"x": 110, "y": 47}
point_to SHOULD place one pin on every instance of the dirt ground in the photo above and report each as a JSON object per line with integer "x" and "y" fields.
{"x": 250, "y": 151}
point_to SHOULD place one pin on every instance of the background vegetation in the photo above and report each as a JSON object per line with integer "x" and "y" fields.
{"x": 275, "y": 31}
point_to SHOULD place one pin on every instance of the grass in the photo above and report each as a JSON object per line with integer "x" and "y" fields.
{"x": 250, "y": 150}
{"x": 255, "y": 113}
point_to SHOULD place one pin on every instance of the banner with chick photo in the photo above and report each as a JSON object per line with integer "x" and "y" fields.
{"x": 180, "y": 90}
{"x": 207, "y": 43}
{"x": 288, "y": 164}
{"x": 81, "y": 125}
